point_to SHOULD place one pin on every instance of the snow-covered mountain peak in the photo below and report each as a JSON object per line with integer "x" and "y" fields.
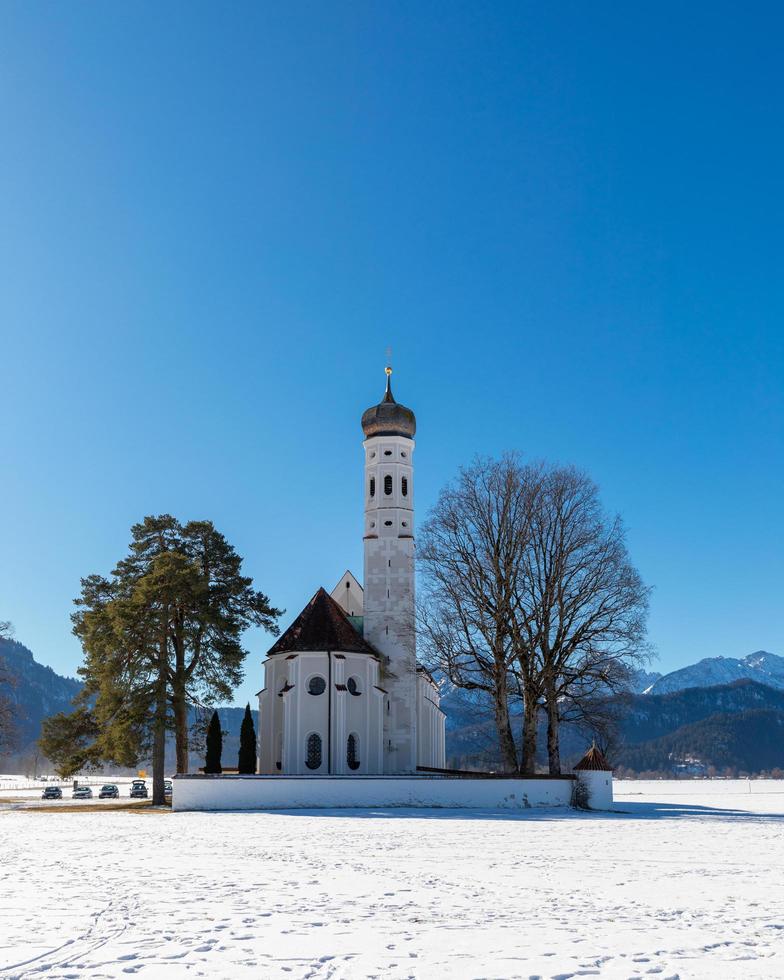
{"x": 766, "y": 668}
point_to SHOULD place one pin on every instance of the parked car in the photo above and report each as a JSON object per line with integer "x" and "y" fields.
{"x": 138, "y": 789}
{"x": 109, "y": 792}
{"x": 82, "y": 793}
{"x": 52, "y": 793}
{"x": 167, "y": 787}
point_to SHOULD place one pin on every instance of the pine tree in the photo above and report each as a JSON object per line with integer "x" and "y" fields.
{"x": 247, "y": 757}
{"x": 214, "y": 745}
{"x": 162, "y": 633}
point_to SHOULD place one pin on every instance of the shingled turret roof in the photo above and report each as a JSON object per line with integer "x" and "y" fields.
{"x": 593, "y": 759}
{"x": 322, "y": 625}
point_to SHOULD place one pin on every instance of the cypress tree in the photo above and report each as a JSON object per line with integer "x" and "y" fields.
{"x": 247, "y": 757}
{"x": 214, "y": 745}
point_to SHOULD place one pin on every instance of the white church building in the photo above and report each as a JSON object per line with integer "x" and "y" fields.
{"x": 344, "y": 696}
{"x": 343, "y": 692}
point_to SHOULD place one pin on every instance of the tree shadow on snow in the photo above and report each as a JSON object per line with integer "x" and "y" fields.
{"x": 662, "y": 811}
{"x": 621, "y": 811}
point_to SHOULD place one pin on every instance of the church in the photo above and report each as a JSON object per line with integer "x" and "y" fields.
{"x": 344, "y": 694}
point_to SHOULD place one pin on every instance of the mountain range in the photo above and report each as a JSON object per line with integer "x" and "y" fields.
{"x": 38, "y": 690}
{"x": 721, "y": 712}
{"x": 766, "y": 668}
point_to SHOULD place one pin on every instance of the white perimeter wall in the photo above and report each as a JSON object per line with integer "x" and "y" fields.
{"x": 313, "y": 792}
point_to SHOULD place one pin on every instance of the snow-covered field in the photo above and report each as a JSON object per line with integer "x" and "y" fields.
{"x": 687, "y": 881}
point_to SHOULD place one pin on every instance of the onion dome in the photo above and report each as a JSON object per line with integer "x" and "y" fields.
{"x": 388, "y": 418}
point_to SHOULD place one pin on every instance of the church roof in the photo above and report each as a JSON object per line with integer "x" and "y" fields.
{"x": 388, "y": 418}
{"x": 593, "y": 759}
{"x": 322, "y": 625}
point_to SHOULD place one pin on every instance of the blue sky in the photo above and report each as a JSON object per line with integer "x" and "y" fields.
{"x": 566, "y": 219}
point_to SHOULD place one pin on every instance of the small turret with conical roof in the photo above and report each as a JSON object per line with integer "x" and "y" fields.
{"x": 595, "y": 773}
{"x": 593, "y": 761}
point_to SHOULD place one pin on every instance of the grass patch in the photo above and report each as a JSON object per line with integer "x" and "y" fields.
{"x": 132, "y": 806}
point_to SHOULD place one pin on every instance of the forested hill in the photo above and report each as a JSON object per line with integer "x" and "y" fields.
{"x": 38, "y": 691}
{"x": 689, "y": 730}
{"x": 651, "y": 715}
{"x": 750, "y": 741}
{"x": 737, "y": 726}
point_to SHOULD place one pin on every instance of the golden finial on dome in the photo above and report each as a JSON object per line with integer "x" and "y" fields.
{"x": 388, "y": 418}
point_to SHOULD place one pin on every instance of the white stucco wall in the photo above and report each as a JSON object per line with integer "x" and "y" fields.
{"x": 313, "y": 792}
{"x": 388, "y": 599}
{"x": 431, "y": 724}
{"x": 295, "y": 714}
{"x": 600, "y": 787}
{"x": 348, "y": 594}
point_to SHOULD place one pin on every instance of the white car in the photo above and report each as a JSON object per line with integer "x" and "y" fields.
{"x": 82, "y": 793}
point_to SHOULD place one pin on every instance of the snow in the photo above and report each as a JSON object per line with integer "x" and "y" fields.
{"x": 687, "y": 881}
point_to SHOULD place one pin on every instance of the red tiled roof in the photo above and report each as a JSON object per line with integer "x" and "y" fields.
{"x": 322, "y": 625}
{"x": 593, "y": 759}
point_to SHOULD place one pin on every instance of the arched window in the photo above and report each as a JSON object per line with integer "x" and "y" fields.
{"x": 372, "y": 486}
{"x": 404, "y": 486}
{"x": 313, "y": 757}
{"x": 388, "y": 485}
{"x": 317, "y": 685}
{"x": 279, "y": 753}
{"x": 352, "y": 752}
{"x": 353, "y": 686}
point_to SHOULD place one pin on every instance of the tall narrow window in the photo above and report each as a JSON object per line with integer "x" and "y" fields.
{"x": 352, "y": 752}
{"x": 372, "y": 486}
{"x": 388, "y": 485}
{"x": 404, "y": 486}
{"x": 313, "y": 759}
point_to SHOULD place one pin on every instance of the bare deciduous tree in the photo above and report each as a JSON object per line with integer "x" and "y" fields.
{"x": 529, "y": 595}
{"x": 470, "y": 549}
{"x": 586, "y": 604}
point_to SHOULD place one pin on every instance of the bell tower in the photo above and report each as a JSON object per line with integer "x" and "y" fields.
{"x": 389, "y": 617}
